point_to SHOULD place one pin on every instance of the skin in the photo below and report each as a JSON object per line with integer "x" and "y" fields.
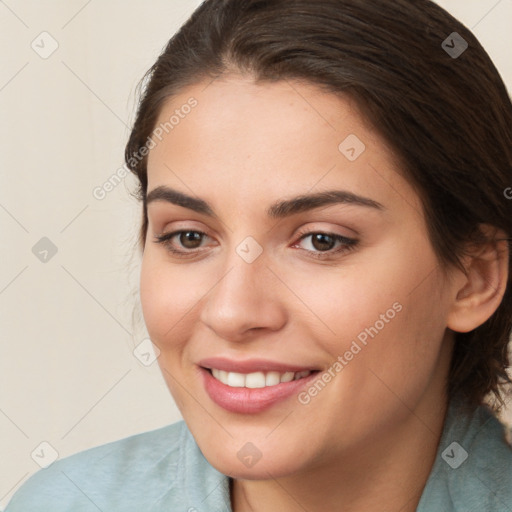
{"x": 369, "y": 438}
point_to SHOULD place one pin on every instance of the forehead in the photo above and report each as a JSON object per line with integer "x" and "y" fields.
{"x": 278, "y": 138}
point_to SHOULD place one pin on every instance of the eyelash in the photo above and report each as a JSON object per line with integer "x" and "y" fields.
{"x": 348, "y": 244}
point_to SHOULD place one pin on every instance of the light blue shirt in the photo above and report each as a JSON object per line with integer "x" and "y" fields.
{"x": 164, "y": 470}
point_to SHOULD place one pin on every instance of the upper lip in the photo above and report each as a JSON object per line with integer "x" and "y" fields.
{"x": 250, "y": 365}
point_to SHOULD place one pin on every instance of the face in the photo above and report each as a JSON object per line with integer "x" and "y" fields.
{"x": 344, "y": 285}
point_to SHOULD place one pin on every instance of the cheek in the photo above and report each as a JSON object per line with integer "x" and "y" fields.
{"x": 399, "y": 324}
{"x": 154, "y": 300}
{"x": 347, "y": 299}
{"x": 388, "y": 313}
{"x": 168, "y": 295}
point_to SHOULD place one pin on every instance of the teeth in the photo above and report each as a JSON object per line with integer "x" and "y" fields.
{"x": 235, "y": 380}
{"x": 253, "y": 380}
{"x": 272, "y": 378}
{"x": 256, "y": 379}
{"x": 287, "y": 377}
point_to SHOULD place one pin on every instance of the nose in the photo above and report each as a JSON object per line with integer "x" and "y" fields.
{"x": 247, "y": 298}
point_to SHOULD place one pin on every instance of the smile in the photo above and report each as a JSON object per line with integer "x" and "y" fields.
{"x": 256, "y": 379}
{"x": 251, "y": 393}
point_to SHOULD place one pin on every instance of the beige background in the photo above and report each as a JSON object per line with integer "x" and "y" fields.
{"x": 68, "y": 373}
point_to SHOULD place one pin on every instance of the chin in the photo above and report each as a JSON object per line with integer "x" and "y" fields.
{"x": 248, "y": 463}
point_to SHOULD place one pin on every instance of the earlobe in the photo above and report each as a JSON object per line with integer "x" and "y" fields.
{"x": 483, "y": 285}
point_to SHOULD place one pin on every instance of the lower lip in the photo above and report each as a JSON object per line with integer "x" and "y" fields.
{"x": 250, "y": 400}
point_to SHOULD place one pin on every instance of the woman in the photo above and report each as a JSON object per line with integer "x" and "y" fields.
{"x": 326, "y": 267}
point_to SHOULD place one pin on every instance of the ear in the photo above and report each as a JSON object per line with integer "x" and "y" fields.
{"x": 478, "y": 294}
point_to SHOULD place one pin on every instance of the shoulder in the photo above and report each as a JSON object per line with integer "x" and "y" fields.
{"x": 491, "y": 460}
{"x": 129, "y": 474}
{"x": 473, "y": 466}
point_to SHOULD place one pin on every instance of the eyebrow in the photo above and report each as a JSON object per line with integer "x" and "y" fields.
{"x": 277, "y": 210}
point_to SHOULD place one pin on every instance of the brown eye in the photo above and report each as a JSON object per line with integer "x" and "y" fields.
{"x": 325, "y": 245}
{"x": 190, "y": 239}
{"x": 182, "y": 243}
{"x": 322, "y": 241}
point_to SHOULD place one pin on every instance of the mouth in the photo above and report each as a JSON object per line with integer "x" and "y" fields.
{"x": 251, "y": 393}
{"x": 256, "y": 379}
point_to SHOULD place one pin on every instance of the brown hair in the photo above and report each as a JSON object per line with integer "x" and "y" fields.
{"x": 448, "y": 118}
